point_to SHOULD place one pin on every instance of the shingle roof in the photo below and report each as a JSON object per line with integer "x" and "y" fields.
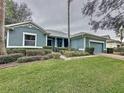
{"x": 107, "y": 36}
{"x": 24, "y": 23}
{"x": 57, "y": 33}
{"x": 113, "y": 40}
{"x": 87, "y": 34}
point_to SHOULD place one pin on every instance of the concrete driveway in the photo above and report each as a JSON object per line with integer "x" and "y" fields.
{"x": 113, "y": 56}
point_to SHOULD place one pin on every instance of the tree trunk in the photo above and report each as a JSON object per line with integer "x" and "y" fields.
{"x": 2, "y": 31}
{"x": 2, "y": 43}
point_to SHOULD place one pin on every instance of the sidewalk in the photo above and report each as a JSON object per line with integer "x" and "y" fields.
{"x": 113, "y": 56}
{"x": 71, "y": 58}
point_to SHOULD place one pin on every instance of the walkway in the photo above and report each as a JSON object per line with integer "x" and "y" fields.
{"x": 71, "y": 58}
{"x": 113, "y": 56}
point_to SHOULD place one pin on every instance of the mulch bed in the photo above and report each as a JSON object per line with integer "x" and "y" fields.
{"x": 2, "y": 66}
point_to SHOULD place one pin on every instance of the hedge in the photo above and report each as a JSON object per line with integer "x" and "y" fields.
{"x": 29, "y": 59}
{"x": 56, "y": 55}
{"x": 90, "y": 50}
{"x": 10, "y": 58}
{"x": 13, "y": 51}
{"x": 121, "y": 49}
{"x": 35, "y": 52}
{"x": 75, "y": 53}
{"x": 37, "y": 58}
{"x": 30, "y": 52}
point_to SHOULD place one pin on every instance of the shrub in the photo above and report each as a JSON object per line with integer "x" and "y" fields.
{"x": 13, "y": 51}
{"x": 119, "y": 49}
{"x": 90, "y": 50}
{"x": 35, "y": 52}
{"x": 56, "y": 55}
{"x": 47, "y": 51}
{"x": 75, "y": 53}
{"x": 29, "y": 59}
{"x": 10, "y": 58}
{"x": 110, "y": 50}
{"x": 48, "y": 56}
{"x": 47, "y": 47}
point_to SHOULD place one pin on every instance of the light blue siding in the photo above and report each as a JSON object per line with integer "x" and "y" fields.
{"x": 77, "y": 43}
{"x": 16, "y": 36}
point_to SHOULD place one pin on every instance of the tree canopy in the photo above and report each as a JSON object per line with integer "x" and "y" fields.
{"x": 17, "y": 12}
{"x": 105, "y": 14}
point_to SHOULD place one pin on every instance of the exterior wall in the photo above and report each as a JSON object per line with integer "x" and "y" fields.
{"x": 81, "y": 43}
{"x": 112, "y": 45}
{"x": 78, "y": 43}
{"x": 15, "y": 38}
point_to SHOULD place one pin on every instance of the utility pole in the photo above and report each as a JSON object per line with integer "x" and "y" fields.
{"x": 2, "y": 29}
{"x": 69, "y": 38}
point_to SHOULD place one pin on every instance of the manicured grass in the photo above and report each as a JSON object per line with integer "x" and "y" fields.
{"x": 91, "y": 75}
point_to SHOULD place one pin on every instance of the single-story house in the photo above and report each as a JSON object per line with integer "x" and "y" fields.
{"x": 30, "y": 35}
{"x": 112, "y": 43}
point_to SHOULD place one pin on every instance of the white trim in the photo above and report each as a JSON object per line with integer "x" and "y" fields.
{"x": 23, "y": 42}
{"x": 23, "y": 47}
{"x": 56, "y": 45}
{"x": 81, "y": 49}
{"x": 97, "y": 41}
{"x": 7, "y": 38}
{"x": 63, "y": 45}
{"x": 84, "y": 43}
{"x": 46, "y": 39}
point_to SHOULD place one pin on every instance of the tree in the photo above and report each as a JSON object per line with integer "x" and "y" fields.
{"x": 121, "y": 34}
{"x": 2, "y": 20}
{"x": 105, "y": 14}
{"x": 69, "y": 40}
{"x": 17, "y": 12}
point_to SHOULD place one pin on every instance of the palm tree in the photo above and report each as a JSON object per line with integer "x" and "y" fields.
{"x": 2, "y": 32}
{"x": 69, "y": 40}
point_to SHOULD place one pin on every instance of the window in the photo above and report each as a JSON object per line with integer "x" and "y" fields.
{"x": 65, "y": 42}
{"x": 29, "y": 40}
{"x": 59, "y": 42}
{"x": 50, "y": 41}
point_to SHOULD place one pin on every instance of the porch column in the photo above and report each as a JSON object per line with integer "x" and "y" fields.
{"x": 84, "y": 43}
{"x": 63, "y": 42}
{"x": 55, "y": 42}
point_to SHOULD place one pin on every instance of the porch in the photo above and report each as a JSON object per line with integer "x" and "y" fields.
{"x": 57, "y": 42}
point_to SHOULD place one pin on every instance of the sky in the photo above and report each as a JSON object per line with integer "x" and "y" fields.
{"x": 52, "y": 14}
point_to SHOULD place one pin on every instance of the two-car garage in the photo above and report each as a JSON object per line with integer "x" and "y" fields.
{"x": 83, "y": 40}
{"x": 98, "y": 47}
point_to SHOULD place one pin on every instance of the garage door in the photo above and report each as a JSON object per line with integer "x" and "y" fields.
{"x": 97, "y": 46}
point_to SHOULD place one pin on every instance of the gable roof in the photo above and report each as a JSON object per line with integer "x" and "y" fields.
{"x": 87, "y": 34}
{"x": 113, "y": 41}
{"x": 25, "y": 23}
{"x": 107, "y": 36}
{"x": 57, "y": 33}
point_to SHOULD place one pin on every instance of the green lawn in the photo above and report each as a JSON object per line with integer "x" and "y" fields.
{"x": 91, "y": 75}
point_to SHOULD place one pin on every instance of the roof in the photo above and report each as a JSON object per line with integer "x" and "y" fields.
{"x": 113, "y": 40}
{"x": 87, "y": 34}
{"x": 57, "y": 33}
{"x": 107, "y": 36}
{"x": 24, "y": 23}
